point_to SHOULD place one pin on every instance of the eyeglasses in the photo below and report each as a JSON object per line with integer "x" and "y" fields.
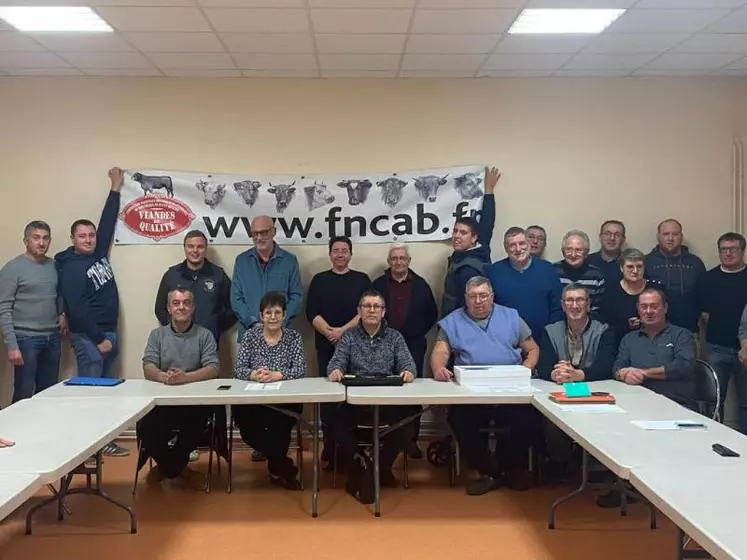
{"x": 729, "y": 250}
{"x": 575, "y": 301}
{"x": 574, "y": 251}
{"x": 272, "y": 313}
{"x": 372, "y": 307}
{"x": 611, "y": 235}
{"x": 399, "y": 259}
{"x": 479, "y": 297}
{"x": 340, "y": 251}
{"x": 261, "y": 232}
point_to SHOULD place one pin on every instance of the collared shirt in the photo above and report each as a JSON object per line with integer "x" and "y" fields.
{"x": 398, "y": 299}
{"x": 384, "y": 353}
{"x": 575, "y": 344}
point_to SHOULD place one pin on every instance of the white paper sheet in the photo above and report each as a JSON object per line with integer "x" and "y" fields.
{"x": 591, "y": 408}
{"x": 489, "y": 389}
{"x": 665, "y": 425}
{"x": 252, "y": 386}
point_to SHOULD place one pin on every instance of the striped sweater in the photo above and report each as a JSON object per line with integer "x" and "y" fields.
{"x": 586, "y": 275}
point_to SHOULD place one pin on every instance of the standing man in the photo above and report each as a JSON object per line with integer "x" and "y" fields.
{"x": 678, "y": 270}
{"x": 265, "y": 268}
{"x": 575, "y": 268}
{"x": 90, "y": 293}
{"x": 410, "y": 309}
{"x": 722, "y": 295}
{"x": 612, "y": 241}
{"x": 537, "y": 237}
{"x": 526, "y": 283}
{"x": 471, "y": 243}
{"x": 31, "y": 316}
{"x": 207, "y": 281}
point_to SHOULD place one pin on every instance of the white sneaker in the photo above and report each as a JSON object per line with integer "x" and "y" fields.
{"x": 194, "y": 456}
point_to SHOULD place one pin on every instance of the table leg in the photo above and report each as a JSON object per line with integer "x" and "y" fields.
{"x": 315, "y": 461}
{"x": 64, "y": 505}
{"x": 576, "y": 492}
{"x": 376, "y": 453}
{"x": 682, "y": 552}
{"x": 229, "y": 417}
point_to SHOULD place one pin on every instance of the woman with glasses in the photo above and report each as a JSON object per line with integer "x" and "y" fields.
{"x": 270, "y": 353}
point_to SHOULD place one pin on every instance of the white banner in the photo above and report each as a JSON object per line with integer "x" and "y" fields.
{"x": 420, "y": 205}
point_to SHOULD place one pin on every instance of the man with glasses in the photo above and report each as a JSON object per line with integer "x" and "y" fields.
{"x": 722, "y": 295}
{"x": 483, "y": 333}
{"x": 372, "y": 347}
{"x": 612, "y": 240}
{"x": 537, "y": 238}
{"x": 576, "y": 269}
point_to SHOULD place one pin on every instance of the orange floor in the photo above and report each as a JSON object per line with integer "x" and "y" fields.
{"x": 429, "y": 521}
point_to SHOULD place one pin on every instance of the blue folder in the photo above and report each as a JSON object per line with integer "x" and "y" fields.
{"x": 94, "y": 381}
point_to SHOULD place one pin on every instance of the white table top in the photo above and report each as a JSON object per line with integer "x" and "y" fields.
{"x": 429, "y": 391}
{"x": 706, "y": 503}
{"x": 53, "y": 436}
{"x": 306, "y": 390}
{"x": 15, "y": 489}
{"x": 622, "y": 446}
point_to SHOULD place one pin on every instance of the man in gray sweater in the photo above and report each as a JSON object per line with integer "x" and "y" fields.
{"x": 178, "y": 353}
{"x": 31, "y": 317}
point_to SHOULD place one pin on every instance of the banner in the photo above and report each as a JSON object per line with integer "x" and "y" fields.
{"x": 421, "y": 205}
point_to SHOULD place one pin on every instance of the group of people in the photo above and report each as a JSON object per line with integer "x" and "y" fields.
{"x": 615, "y": 314}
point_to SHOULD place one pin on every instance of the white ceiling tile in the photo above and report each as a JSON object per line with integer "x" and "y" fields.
{"x": 735, "y": 23}
{"x": 251, "y": 3}
{"x": 442, "y": 61}
{"x": 665, "y": 21}
{"x": 154, "y": 19}
{"x": 663, "y": 72}
{"x": 361, "y": 3}
{"x": 688, "y": 4}
{"x": 125, "y": 72}
{"x": 15, "y": 41}
{"x": 24, "y": 59}
{"x": 463, "y": 21}
{"x": 379, "y": 74}
{"x": 436, "y": 73}
{"x": 525, "y": 61}
{"x": 515, "y": 73}
{"x": 296, "y": 43}
{"x": 71, "y": 42}
{"x": 538, "y": 44}
{"x": 628, "y": 61}
{"x": 581, "y": 4}
{"x": 258, "y": 20}
{"x": 181, "y": 73}
{"x": 740, "y": 64}
{"x": 608, "y": 43}
{"x": 360, "y": 43}
{"x": 360, "y": 21}
{"x": 275, "y": 61}
{"x": 562, "y": 73}
{"x": 280, "y": 73}
{"x": 175, "y": 42}
{"x": 113, "y": 60}
{"x": 194, "y": 61}
{"x": 429, "y": 4}
{"x": 359, "y": 61}
{"x": 690, "y": 61}
{"x": 45, "y": 72}
{"x": 715, "y": 43}
{"x": 451, "y": 44}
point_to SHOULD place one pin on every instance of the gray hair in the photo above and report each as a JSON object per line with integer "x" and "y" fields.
{"x": 396, "y": 246}
{"x": 576, "y": 233}
{"x": 631, "y": 255}
{"x": 181, "y": 290}
{"x": 512, "y": 232}
{"x": 574, "y": 287}
{"x": 477, "y": 281}
{"x": 36, "y": 224}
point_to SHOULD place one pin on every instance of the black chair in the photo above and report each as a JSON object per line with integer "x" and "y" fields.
{"x": 707, "y": 390}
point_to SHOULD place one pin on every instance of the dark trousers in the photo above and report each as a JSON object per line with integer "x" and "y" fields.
{"x": 41, "y": 364}
{"x": 521, "y": 421}
{"x": 345, "y": 431}
{"x": 269, "y": 432}
{"x": 170, "y": 433}
{"x": 726, "y": 363}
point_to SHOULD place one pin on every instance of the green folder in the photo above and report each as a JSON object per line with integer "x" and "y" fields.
{"x": 577, "y": 389}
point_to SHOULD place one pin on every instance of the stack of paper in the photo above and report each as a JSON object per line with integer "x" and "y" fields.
{"x": 493, "y": 376}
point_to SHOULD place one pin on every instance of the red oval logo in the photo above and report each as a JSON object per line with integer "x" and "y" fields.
{"x": 157, "y": 216}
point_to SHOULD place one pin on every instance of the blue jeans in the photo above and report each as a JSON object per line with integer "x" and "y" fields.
{"x": 91, "y": 362}
{"x": 41, "y": 364}
{"x": 726, "y": 363}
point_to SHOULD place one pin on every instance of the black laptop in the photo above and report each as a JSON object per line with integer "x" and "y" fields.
{"x": 372, "y": 380}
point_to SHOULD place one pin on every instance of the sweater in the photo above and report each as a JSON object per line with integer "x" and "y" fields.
{"x": 287, "y": 356}
{"x": 189, "y": 350}
{"x": 29, "y": 305}
{"x": 599, "y": 350}
{"x": 534, "y": 292}
{"x": 384, "y": 353}
{"x": 87, "y": 284}
{"x": 610, "y": 269}
{"x": 723, "y": 295}
{"x": 586, "y": 275}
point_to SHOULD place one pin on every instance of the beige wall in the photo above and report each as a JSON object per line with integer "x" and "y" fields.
{"x": 573, "y": 152}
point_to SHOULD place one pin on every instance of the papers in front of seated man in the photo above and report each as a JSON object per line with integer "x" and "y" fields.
{"x": 253, "y": 386}
{"x": 485, "y": 389}
{"x": 493, "y": 376}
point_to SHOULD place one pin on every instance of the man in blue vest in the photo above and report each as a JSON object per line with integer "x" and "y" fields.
{"x": 483, "y": 333}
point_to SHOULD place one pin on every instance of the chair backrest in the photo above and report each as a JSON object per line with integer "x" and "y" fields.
{"x": 707, "y": 390}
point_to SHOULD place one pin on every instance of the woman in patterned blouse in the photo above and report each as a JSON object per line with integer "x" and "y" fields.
{"x": 270, "y": 353}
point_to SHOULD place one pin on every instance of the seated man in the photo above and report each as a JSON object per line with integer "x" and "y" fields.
{"x": 577, "y": 348}
{"x": 178, "y": 353}
{"x": 373, "y": 348}
{"x": 660, "y": 356}
{"x": 483, "y": 333}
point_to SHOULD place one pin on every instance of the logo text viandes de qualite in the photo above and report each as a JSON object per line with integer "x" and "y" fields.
{"x": 157, "y": 217}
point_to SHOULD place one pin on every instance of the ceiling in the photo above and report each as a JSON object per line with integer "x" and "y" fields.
{"x": 380, "y": 39}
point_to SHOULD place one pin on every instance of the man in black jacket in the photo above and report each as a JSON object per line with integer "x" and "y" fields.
{"x": 207, "y": 281}
{"x": 411, "y": 309}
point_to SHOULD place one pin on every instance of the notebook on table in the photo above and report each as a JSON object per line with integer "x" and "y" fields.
{"x": 560, "y": 397}
{"x": 93, "y": 381}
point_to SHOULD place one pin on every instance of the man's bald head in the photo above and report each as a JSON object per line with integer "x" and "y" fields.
{"x": 261, "y": 222}
{"x": 263, "y": 234}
